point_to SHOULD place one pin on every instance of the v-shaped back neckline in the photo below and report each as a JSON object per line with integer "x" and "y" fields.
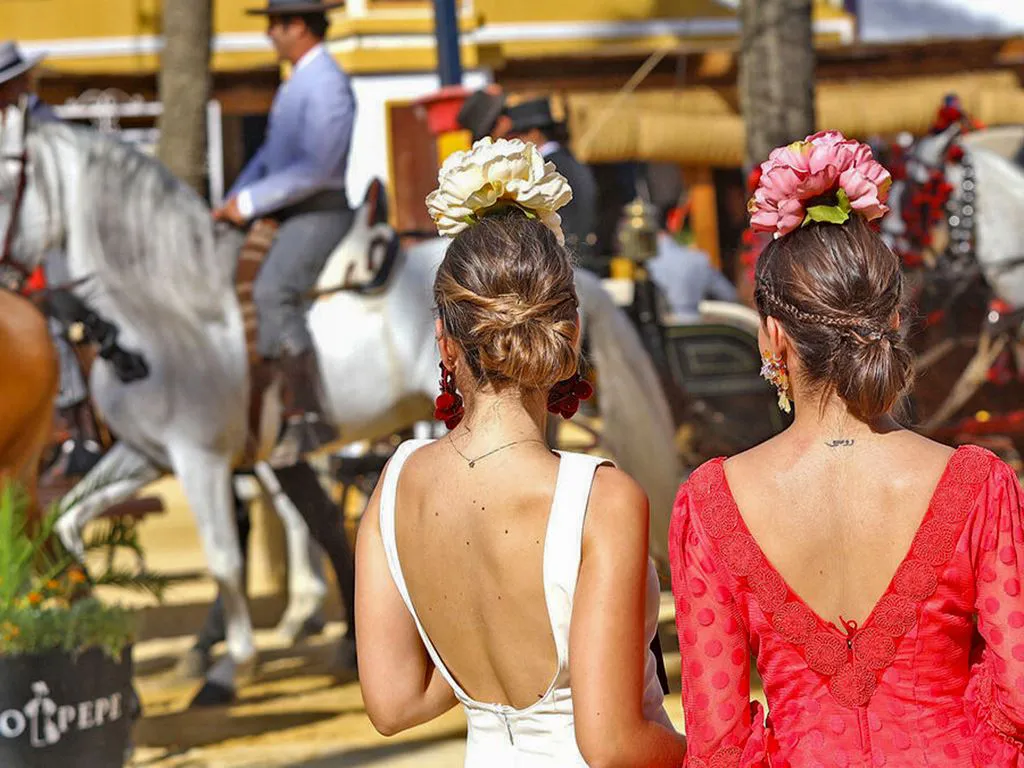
{"x": 853, "y": 659}
{"x": 389, "y": 497}
{"x": 848, "y": 625}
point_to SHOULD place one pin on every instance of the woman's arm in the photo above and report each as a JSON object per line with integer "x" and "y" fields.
{"x": 401, "y": 686}
{"x": 607, "y": 647}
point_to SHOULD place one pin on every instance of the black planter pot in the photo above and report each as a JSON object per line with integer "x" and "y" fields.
{"x": 60, "y": 709}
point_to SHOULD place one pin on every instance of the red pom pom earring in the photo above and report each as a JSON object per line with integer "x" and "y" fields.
{"x": 448, "y": 406}
{"x": 564, "y": 398}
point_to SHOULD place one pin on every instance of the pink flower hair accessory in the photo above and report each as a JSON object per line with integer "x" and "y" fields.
{"x": 826, "y": 177}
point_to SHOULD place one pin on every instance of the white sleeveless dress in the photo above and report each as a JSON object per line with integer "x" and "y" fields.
{"x": 541, "y": 735}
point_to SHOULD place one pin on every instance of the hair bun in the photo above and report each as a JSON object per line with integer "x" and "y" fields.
{"x": 505, "y": 292}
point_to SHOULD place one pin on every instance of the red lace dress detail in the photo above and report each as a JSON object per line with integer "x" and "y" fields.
{"x": 934, "y": 676}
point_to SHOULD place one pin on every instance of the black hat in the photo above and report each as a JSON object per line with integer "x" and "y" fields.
{"x": 480, "y": 113}
{"x": 296, "y": 7}
{"x": 535, "y": 113}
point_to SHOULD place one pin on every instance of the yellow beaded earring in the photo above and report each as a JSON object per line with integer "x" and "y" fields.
{"x": 773, "y": 369}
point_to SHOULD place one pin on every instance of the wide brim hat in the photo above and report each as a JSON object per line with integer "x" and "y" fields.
{"x": 535, "y": 113}
{"x": 480, "y": 112}
{"x": 13, "y": 62}
{"x": 293, "y": 7}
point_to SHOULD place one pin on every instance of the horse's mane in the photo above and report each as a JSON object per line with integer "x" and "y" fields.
{"x": 149, "y": 235}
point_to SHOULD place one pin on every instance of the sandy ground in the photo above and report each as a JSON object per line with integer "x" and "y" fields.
{"x": 293, "y": 713}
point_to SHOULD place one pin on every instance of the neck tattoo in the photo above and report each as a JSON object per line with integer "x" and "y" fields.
{"x": 841, "y": 443}
{"x": 472, "y": 462}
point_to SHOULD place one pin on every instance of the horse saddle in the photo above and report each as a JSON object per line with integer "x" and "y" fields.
{"x": 362, "y": 262}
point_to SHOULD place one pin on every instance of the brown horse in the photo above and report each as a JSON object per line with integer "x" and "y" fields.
{"x": 29, "y": 378}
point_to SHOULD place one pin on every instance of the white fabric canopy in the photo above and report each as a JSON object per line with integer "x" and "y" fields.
{"x": 893, "y": 20}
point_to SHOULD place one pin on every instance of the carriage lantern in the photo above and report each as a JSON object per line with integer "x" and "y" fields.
{"x": 638, "y": 232}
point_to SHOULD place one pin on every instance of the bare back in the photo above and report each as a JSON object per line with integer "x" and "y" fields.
{"x": 471, "y": 544}
{"x": 836, "y": 520}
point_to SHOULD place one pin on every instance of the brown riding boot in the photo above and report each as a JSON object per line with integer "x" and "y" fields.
{"x": 306, "y": 428}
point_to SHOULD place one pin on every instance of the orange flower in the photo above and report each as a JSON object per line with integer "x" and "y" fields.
{"x": 10, "y": 631}
{"x": 53, "y": 585}
{"x": 35, "y": 598}
{"x": 76, "y": 576}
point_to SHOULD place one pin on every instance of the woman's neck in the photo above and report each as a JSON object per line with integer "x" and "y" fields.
{"x": 501, "y": 417}
{"x": 831, "y": 424}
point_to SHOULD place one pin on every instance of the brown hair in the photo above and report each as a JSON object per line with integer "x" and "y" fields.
{"x": 837, "y": 290}
{"x": 505, "y": 293}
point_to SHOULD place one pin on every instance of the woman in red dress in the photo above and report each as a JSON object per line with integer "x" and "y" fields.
{"x": 874, "y": 575}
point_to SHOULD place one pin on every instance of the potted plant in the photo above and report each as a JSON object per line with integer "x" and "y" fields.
{"x": 66, "y": 695}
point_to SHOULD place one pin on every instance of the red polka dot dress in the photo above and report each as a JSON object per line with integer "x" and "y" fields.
{"x": 933, "y": 677}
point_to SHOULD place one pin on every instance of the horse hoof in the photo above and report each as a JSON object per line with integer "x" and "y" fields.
{"x": 193, "y": 665}
{"x": 213, "y": 695}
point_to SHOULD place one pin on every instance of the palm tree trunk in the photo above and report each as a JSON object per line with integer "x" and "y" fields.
{"x": 185, "y": 84}
{"x": 776, "y": 75}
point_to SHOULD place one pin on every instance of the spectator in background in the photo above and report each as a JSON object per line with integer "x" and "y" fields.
{"x": 685, "y": 276}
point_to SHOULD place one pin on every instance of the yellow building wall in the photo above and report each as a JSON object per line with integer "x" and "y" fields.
{"x": 374, "y": 36}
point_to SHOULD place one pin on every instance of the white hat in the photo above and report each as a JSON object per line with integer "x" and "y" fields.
{"x": 14, "y": 63}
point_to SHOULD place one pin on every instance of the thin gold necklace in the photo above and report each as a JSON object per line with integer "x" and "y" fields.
{"x": 472, "y": 462}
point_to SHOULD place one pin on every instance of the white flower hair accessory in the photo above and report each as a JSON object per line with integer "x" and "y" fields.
{"x": 494, "y": 175}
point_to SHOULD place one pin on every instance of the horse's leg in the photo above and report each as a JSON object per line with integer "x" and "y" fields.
{"x": 115, "y": 478}
{"x": 205, "y": 477}
{"x": 196, "y": 662}
{"x": 301, "y": 485}
{"x": 306, "y": 588}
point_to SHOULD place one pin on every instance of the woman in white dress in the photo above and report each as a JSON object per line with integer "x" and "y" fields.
{"x": 491, "y": 571}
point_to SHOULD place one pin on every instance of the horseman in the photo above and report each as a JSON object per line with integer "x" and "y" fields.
{"x": 485, "y": 113}
{"x": 533, "y": 121}
{"x": 71, "y": 319}
{"x": 297, "y": 178}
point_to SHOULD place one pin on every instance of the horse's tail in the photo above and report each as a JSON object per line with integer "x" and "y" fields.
{"x": 637, "y": 420}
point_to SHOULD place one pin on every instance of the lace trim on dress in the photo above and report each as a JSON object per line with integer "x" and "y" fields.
{"x": 853, "y": 664}
{"x": 981, "y": 697}
{"x": 761, "y": 744}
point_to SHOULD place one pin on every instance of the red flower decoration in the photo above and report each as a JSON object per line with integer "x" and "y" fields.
{"x": 971, "y": 465}
{"x": 769, "y": 588}
{"x": 916, "y": 580}
{"x": 935, "y": 543}
{"x": 706, "y": 480}
{"x": 895, "y": 615}
{"x": 874, "y": 647}
{"x": 794, "y": 622}
{"x": 719, "y": 516}
{"x": 740, "y": 553}
{"x": 726, "y": 757}
{"x": 826, "y": 653}
{"x": 853, "y": 685}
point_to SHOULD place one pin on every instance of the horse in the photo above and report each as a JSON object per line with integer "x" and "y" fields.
{"x": 142, "y": 247}
{"x": 956, "y": 208}
{"x": 27, "y": 390}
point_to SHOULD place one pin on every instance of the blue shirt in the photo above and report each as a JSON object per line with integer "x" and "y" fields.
{"x": 686, "y": 277}
{"x": 308, "y": 139}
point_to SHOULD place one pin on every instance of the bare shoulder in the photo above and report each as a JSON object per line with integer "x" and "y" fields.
{"x": 618, "y": 505}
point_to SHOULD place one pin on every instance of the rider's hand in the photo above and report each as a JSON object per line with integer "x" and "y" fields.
{"x": 229, "y": 212}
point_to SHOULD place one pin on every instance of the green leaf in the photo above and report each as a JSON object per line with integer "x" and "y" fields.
{"x": 831, "y": 214}
{"x": 844, "y": 200}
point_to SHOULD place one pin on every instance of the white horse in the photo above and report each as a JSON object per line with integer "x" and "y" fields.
{"x": 987, "y": 207}
{"x": 141, "y": 247}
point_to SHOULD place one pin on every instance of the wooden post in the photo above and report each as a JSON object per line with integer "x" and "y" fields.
{"x": 703, "y": 211}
